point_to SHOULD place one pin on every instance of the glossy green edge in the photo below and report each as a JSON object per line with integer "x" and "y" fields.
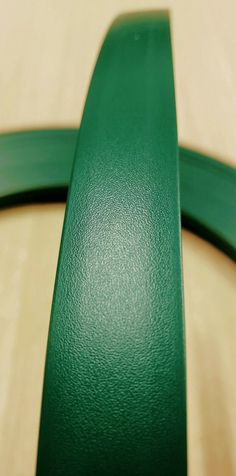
{"x": 36, "y": 166}
{"x": 114, "y": 389}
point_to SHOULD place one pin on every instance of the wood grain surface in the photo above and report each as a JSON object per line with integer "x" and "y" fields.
{"x": 47, "y": 50}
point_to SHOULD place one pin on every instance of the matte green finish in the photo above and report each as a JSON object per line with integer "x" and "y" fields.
{"x": 36, "y": 165}
{"x": 114, "y": 392}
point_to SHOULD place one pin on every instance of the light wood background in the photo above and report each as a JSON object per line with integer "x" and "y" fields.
{"x": 47, "y": 52}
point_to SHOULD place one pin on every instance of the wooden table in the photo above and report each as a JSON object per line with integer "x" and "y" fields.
{"x": 47, "y": 51}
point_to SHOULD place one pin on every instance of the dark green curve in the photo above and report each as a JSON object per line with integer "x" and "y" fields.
{"x": 36, "y": 165}
{"x": 208, "y": 199}
{"x": 114, "y": 391}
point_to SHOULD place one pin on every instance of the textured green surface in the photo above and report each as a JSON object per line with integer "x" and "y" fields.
{"x": 114, "y": 393}
{"x": 36, "y": 166}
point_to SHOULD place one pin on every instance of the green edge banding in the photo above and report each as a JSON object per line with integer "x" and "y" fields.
{"x": 114, "y": 390}
{"x": 95, "y": 418}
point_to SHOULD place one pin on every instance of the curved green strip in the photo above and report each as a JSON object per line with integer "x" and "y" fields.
{"x": 36, "y": 165}
{"x": 208, "y": 199}
{"x": 114, "y": 392}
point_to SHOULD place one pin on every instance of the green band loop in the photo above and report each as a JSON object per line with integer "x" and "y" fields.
{"x": 35, "y": 166}
{"x": 114, "y": 393}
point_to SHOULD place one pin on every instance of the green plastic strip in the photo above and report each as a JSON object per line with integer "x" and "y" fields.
{"x": 114, "y": 392}
{"x": 36, "y": 165}
{"x": 208, "y": 199}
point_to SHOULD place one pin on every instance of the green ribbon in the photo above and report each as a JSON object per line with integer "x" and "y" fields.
{"x": 114, "y": 390}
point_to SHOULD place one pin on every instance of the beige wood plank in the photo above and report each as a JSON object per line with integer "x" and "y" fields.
{"x": 47, "y": 52}
{"x": 48, "y": 48}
